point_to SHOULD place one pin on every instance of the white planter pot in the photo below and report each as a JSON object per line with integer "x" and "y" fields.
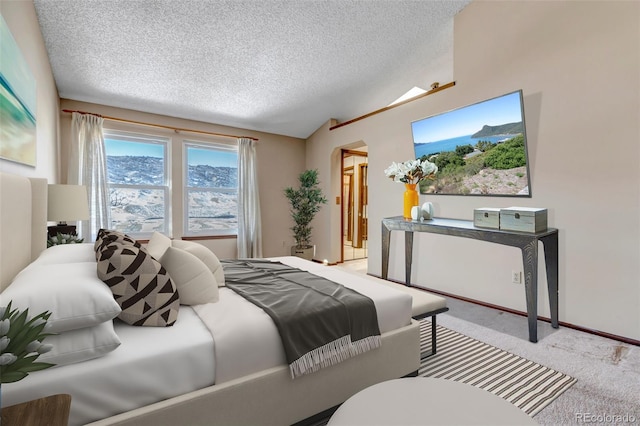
{"x": 305, "y": 253}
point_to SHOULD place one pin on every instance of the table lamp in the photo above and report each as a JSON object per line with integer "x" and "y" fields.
{"x": 66, "y": 203}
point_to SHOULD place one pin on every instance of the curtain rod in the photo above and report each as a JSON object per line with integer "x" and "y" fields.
{"x": 175, "y": 129}
{"x": 378, "y": 111}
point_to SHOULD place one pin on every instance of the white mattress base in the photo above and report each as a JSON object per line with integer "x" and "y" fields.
{"x": 270, "y": 397}
{"x": 151, "y": 364}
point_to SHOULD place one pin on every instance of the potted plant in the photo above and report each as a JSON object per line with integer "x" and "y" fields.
{"x": 305, "y": 202}
{"x": 63, "y": 239}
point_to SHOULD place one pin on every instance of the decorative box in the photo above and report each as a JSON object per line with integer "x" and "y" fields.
{"x": 525, "y": 219}
{"x": 486, "y": 217}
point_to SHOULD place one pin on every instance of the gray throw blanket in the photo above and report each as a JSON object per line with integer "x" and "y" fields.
{"x": 321, "y": 323}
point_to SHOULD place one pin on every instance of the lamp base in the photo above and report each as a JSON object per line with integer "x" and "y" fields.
{"x": 62, "y": 229}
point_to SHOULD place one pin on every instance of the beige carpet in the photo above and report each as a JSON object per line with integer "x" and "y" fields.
{"x": 524, "y": 383}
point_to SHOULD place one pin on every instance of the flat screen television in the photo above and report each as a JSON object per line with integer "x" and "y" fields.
{"x": 480, "y": 149}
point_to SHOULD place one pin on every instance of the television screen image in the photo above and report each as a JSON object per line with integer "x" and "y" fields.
{"x": 480, "y": 149}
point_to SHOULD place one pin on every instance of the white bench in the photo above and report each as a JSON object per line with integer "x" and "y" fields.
{"x": 424, "y": 305}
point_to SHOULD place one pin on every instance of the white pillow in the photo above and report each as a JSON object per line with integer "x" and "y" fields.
{"x": 72, "y": 292}
{"x": 195, "y": 282}
{"x": 67, "y": 253}
{"x": 81, "y": 345}
{"x": 205, "y": 255}
{"x": 157, "y": 245}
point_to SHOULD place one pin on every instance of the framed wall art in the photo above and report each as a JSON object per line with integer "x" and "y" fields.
{"x": 17, "y": 102}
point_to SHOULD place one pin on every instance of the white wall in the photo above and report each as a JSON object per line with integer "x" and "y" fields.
{"x": 578, "y": 66}
{"x": 22, "y": 21}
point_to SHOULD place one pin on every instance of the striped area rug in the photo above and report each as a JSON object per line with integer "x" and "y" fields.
{"x": 527, "y": 385}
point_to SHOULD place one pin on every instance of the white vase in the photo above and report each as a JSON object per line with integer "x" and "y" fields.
{"x": 416, "y": 213}
{"x": 427, "y": 211}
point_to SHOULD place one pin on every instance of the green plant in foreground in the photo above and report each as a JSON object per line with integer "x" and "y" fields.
{"x": 21, "y": 343}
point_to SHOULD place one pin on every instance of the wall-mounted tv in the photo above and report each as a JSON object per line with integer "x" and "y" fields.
{"x": 480, "y": 149}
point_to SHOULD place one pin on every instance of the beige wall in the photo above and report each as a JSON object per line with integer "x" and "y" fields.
{"x": 21, "y": 19}
{"x": 280, "y": 160}
{"x": 578, "y": 66}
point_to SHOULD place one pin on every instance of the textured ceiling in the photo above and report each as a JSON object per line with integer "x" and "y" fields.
{"x": 278, "y": 66}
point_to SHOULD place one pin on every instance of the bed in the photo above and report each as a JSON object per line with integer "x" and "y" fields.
{"x": 231, "y": 371}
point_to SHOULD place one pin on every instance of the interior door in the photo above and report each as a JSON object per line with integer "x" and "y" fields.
{"x": 347, "y": 197}
{"x": 360, "y": 241}
{"x": 354, "y": 205}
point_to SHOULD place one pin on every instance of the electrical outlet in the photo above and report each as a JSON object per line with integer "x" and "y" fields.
{"x": 516, "y": 277}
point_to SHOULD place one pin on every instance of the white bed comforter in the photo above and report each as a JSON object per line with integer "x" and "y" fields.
{"x": 246, "y": 340}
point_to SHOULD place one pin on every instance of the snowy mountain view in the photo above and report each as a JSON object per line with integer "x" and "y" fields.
{"x": 141, "y": 210}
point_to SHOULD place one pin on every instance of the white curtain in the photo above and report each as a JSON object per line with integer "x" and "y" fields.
{"x": 88, "y": 166}
{"x": 249, "y": 223}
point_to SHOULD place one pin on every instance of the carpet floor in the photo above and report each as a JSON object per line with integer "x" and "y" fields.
{"x": 526, "y": 384}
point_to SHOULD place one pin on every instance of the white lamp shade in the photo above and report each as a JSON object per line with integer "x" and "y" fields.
{"x": 67, "y": 203}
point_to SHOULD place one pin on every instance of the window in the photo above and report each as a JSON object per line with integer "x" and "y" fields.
{"x": 138, "y": 175}
{"x": 211, "y": 189}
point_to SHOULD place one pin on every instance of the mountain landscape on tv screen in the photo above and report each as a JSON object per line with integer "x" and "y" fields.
{"x": 504, "y": 129}
{"x": 491, "y": 161}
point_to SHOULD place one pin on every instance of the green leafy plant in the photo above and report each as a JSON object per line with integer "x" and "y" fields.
{"x": 485, "y": 146}
{"x": 507, "y": 155}
{"x": 305, "y": 202}
{"x": 449, "y": 161}
{"x": 462, "y": 150}
{"x": 63, "y": 239}
{"x": 21, "y": 343}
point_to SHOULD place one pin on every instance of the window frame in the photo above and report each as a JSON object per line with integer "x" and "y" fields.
{"x": 146, "y": 138}
{"x": 186, "y": 189}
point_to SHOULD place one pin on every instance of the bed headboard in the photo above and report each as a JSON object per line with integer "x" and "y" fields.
{"x": 23, "y": 223}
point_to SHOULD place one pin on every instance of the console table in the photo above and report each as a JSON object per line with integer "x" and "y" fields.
{"x": 527, "y": 242}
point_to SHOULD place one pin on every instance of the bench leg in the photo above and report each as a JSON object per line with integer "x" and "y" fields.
{"x": 433, "y": 339}
{"x": 433, "y": 335}
{"x": 431, "y": 315}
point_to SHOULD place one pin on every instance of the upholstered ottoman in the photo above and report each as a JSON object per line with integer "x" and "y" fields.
{"x": 427, "y": 401}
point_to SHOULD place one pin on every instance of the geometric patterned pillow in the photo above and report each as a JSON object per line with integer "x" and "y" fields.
{"x": 140, "y": 285}
{"x": 103, "y": 233}
{"x": 110, "y": 239}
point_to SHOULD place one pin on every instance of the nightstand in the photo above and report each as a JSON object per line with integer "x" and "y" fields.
{"x": 51, "y": 411}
